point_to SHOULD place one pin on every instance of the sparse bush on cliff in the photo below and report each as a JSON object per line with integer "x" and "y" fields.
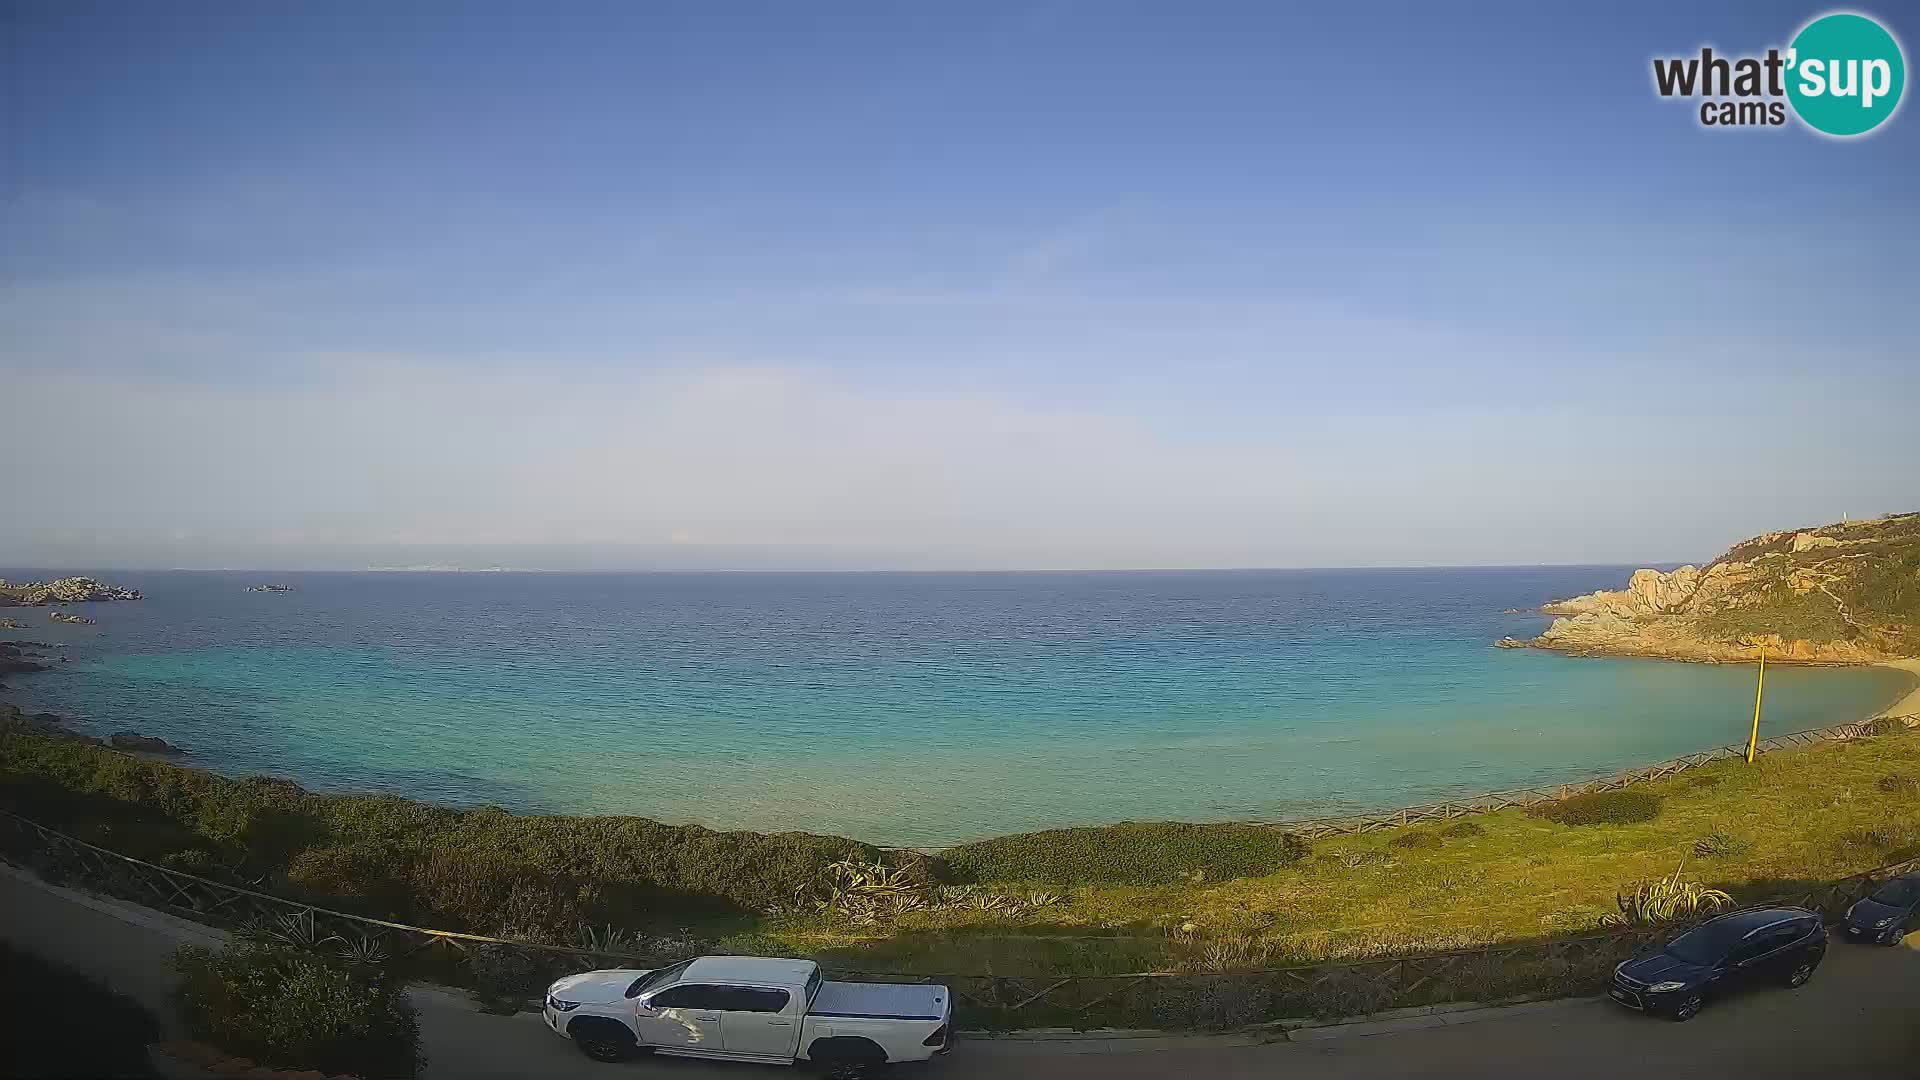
{"x": 1624, "y": 807}
{"x": 1130, "y": 854}
{"x": 1420, "y": 841}
{"x": 1463, "y": 830}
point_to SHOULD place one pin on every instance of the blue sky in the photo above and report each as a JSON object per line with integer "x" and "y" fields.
{"x": 1033, "y": 285}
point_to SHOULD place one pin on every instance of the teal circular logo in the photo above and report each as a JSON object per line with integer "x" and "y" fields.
{"x": 1845, "y": 74}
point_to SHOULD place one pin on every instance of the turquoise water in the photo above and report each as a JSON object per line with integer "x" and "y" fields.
{"x": 903, "y": 708}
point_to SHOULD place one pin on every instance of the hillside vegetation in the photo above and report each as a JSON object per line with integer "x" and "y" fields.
{"x": 1843, "y": 593}
{"x": 1122, "y": 898}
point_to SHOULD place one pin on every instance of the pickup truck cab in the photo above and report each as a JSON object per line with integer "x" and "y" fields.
{"x": 751, "y": 1008}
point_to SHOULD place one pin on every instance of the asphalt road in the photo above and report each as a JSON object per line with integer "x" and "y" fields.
{"x": 1860, "y": 1016}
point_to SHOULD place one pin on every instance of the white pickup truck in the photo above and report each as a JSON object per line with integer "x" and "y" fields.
{"x": 751, "y": 1008}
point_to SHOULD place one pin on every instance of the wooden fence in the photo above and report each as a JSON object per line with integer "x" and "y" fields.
{"x": 1319, "y": 828}
{"x": 1162, "y": 999}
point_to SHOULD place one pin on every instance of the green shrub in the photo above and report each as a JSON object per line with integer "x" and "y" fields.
{"x": 1130, "y": 853}
{"x": 1623, "y": 807}
{"x": 289, "y": 1009}
{"x": 1423, "y": 841}
{"x": 1463, "y": 829}
{"x": 1720, "y": 844}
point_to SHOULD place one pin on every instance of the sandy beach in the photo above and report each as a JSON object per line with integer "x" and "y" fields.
{"x": 1909, "y": 705}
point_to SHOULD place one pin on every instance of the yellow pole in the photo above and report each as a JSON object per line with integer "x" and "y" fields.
{"x": 1760, "y": 688}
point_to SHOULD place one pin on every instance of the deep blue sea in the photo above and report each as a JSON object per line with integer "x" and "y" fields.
{"x": 916, "y": 709}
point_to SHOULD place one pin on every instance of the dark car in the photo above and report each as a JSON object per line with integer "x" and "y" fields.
{"x": 1887, "y": 912}
{"x": 1743, "y": 948}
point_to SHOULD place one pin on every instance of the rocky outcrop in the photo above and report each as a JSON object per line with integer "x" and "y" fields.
{"x": 45, "y": 724}
{"x": 1832, "y": 595}
{"x": 13, "y": 658}
{"x": 10, "y": 624}
{"x": 69, "y": 590}
{"x": 142, "y": 744}
{"x": 65, "y": 617}
{"x": 269, "y": 588}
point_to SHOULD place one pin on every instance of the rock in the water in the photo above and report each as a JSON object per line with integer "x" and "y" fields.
{"x": 145, "y": 744}
{"x": 269, "y": 588}
{"x": 9, "y": 624}
{"x": 70, "y": 590}
{"x": 44, "y": 724}
{"x": 13, "y": 658}
{"x": 1511, "y": 643}
{"x": 77, "y": 620}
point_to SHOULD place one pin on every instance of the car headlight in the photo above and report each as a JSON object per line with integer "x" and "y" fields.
{"x": 1883, "y": 923}
{"x": 1666, "y": 987}
{"x": 557, "y": 1005}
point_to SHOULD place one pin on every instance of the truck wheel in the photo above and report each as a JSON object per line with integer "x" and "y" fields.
{"x": 847, "y": 1058}
{"x": 605, "y": 1040}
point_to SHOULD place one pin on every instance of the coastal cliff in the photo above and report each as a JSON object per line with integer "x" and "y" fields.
{"x": 1838, "y": 594}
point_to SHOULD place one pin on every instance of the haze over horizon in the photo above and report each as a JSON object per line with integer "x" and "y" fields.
{"x": 1029, "y": 286}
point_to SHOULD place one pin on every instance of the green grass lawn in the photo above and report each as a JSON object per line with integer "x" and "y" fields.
{"x": 1792, "y": 819}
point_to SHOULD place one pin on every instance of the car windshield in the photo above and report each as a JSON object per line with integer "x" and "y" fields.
{"x": 1898, "y": 893}
{"x": 657, "y": 977}
{"x": 1706, "y": 944}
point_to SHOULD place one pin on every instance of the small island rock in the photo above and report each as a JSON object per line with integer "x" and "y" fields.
{"x": 76, "y": 620}
{"x": 69, "y": 590}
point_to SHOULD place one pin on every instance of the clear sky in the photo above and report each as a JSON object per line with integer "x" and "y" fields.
{"x": 932, "y": 285}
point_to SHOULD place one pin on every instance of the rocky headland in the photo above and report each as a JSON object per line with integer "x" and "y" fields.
{"x": 1847, "y": 593}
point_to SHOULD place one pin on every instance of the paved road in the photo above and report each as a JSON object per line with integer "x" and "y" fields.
{"x": 1859, "y": 1017}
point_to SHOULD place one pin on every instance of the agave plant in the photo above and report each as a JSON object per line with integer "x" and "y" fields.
{"x": 607, "y": 939}
{"x": 299, "y": 930}
{"x": 363, "y": 954}
{"x": 1667, "y": 900}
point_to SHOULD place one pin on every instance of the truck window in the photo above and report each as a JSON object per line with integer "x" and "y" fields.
{"x": 756, "y": 999}
{"x": 693, "y": 996}
{"x": 813, "y": 986}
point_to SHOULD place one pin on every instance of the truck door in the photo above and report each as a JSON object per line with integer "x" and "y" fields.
{"x": 684, "y": 1017}
{"x": 758, "y": 1021}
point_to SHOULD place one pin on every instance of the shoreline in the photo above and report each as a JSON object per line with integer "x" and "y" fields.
{"x": 1908, "y": 704}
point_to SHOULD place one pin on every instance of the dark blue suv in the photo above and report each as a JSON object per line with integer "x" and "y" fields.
{"x": 1744, "y": 948}
{"x": 1886, "y": 912}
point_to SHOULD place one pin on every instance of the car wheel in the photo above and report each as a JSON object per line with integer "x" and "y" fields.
{"x": 601, "y": 1046}
{"x": 1800, "y": 974}
{"x": 1686, "y": 1010}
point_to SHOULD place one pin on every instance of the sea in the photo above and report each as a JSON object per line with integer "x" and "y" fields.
{"x": 913, "y": 709}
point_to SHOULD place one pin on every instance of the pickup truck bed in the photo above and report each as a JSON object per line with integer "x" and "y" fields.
{"x": 880, "y": 1001}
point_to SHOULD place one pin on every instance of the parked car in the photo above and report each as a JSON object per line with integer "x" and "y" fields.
{"x": 1742, "y": 948}
{"x": 751, "y": 1008}
{"x": 1887, "y": 912}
